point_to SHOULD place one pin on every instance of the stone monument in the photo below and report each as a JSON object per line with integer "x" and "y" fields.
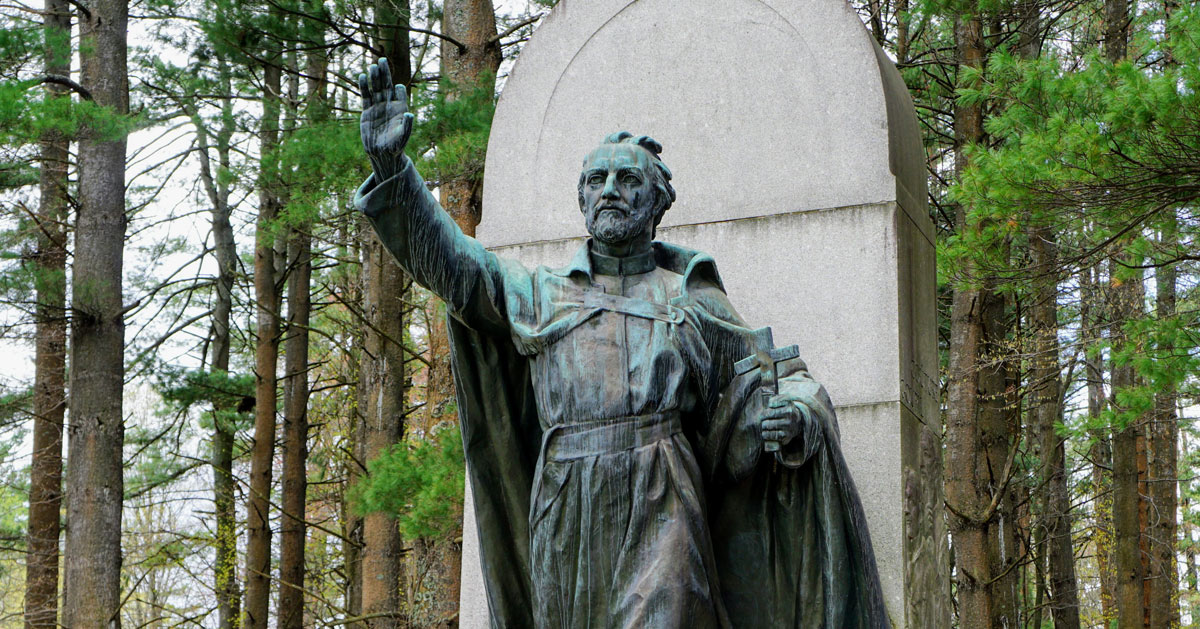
{"x": 798, "y": 161}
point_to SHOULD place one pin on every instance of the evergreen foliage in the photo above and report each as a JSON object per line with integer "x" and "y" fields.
{"x": 419, "y": 482}
{"x": 450, "y": 137}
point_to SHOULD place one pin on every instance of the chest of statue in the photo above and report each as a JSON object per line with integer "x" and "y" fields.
{"x": 616, "y": 354}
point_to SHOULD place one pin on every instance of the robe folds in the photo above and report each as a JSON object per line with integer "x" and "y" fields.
{"x": 619, "y": 475}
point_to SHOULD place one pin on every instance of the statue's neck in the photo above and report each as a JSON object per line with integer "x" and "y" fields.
{"x": 628, "y": 260}
{"x": 637, "y": 246}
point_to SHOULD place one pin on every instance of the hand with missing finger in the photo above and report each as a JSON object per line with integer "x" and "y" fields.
{"x": 385, "y": 124}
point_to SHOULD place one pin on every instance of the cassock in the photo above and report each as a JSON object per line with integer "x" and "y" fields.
{"x": 619, "y": 473}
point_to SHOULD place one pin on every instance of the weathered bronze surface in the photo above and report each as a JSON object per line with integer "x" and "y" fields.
{"x": 640, "y": 457}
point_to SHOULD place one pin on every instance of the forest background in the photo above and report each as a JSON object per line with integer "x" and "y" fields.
{"x": 222, "y": 405}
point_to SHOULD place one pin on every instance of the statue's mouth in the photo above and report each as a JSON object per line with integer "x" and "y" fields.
{"x": 613, "y": 208}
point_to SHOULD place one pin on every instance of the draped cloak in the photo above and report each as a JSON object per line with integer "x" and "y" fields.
{"x": 787, "y": 531}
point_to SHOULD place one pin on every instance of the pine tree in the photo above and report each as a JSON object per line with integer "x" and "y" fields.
{"x": 267, "y": 295}
{"x": 45, "y": 487}
{"x": 384, "y": 378}
{"x": 95, "y": 485}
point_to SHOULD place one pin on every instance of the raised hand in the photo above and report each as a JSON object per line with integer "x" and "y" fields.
{"x": 385, "y": 124}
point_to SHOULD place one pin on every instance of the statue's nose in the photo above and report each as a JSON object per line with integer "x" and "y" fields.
{"x": 610, "y": 187}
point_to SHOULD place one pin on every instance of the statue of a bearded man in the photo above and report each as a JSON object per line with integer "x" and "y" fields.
{"x": 640, "y": 457}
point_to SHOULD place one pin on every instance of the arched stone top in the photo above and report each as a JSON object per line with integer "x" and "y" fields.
{"x": 763, "y": 107}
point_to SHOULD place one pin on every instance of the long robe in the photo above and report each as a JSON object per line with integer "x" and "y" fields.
{"x": 689, "y": 523}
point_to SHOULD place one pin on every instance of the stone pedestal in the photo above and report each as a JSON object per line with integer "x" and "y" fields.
{"x": 798, "y": 164}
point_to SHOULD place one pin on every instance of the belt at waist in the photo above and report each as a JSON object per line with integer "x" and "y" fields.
{"x": 573, "y": 441}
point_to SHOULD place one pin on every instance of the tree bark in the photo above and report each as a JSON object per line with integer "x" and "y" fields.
{"x": 1000, "y": 433}
{"x": 296, "y": 385}
{"x": 1163, "y": 450}
{"x": 266, "y": 292}
{"x": 473, "y": 23}
{"x": 382, "y": 369}
{"x": 352, "y": 522}
{"x": 1100, "y": 453}
{"x": 217, "y": 187}
{"x": 1128, "y": 444}
{"x": 1191, "y": 575}
{"x": 1116, "y": 29}
{"x": 95, "y": 486}
{"x": 354, "y": 233}
{"x": 1046, "y": 399}
{"x": 966, "y": 489}
{"x": 902, "y": 37}
{"x": 295, "y": 432}
{"x": 49, "y": 401}
{"x": 1126, "y": 301}
{"x": 383, "y": 375}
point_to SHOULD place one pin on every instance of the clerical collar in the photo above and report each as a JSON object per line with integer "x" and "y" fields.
{"x": 627, "y": 265}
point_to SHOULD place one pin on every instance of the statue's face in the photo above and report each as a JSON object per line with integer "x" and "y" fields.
{"x": 617, "y": 197}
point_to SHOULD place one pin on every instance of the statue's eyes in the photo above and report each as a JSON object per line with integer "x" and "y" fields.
{"x": 596, "y": 179}
{"x": 631, "y": 180}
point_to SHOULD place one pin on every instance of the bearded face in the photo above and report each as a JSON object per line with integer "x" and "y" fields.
{"x": 617, "y": 196}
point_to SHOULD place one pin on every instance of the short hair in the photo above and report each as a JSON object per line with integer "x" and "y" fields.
{"x": 664, "y": 191}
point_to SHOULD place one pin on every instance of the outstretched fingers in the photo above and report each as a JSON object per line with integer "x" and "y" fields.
{"x": 385, "y": 77}
{"x": 364, "y": 88}
{"x": 373, "y": 73}
{"x": 376, "y": 85}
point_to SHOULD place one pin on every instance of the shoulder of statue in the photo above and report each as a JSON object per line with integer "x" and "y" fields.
{"x": 698, "y": 269}
{"x": 700, "y": 291}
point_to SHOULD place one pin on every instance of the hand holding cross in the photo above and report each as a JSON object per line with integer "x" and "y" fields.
{"x": 780, "y": 419}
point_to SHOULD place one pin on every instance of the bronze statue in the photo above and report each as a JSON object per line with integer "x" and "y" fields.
{"x": 640, "y": 457}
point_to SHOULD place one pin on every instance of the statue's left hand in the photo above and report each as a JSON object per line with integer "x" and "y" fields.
{"x": 781, "y": 422}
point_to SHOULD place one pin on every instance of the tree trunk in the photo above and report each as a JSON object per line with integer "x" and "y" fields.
{"x": 1100, "y": 452}
{"x": 1128, "y": 447}
{"x": 999, "y": 431}
{"x": 352, "y": 523}
{"x": 1047, "y": 410}
{"x": 1126, "y": 302}
{"x": 473, "y": 23}
{"x": 354, "y": 233}
{"x": 95, "y": 486}
{"x": 1116, "y": 31}
{"x": 296, "y": 386}
{"x": 295, "y": 432}
{"x": 1191, "y": 576}
{"x": 382, "y": 369}
{"x": 217, "y": 188}
{"x": 266, "y": 353}
{"x": 902, "y": 37}
{"x": 967, "y": 495}
{"x": 49, "y": 403}
{"x": 383, "y": 375}
{"x": 1163, "y": 449}
{"x": 966, "y": 503}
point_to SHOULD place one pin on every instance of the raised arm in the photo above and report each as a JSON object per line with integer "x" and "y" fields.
{"x": 415, "y": 229}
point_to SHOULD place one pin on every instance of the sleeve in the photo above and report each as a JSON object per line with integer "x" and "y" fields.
{"x": 810, "y": 398}
{"x": 431, "y": 248}
{"x": 740, "y": 401}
